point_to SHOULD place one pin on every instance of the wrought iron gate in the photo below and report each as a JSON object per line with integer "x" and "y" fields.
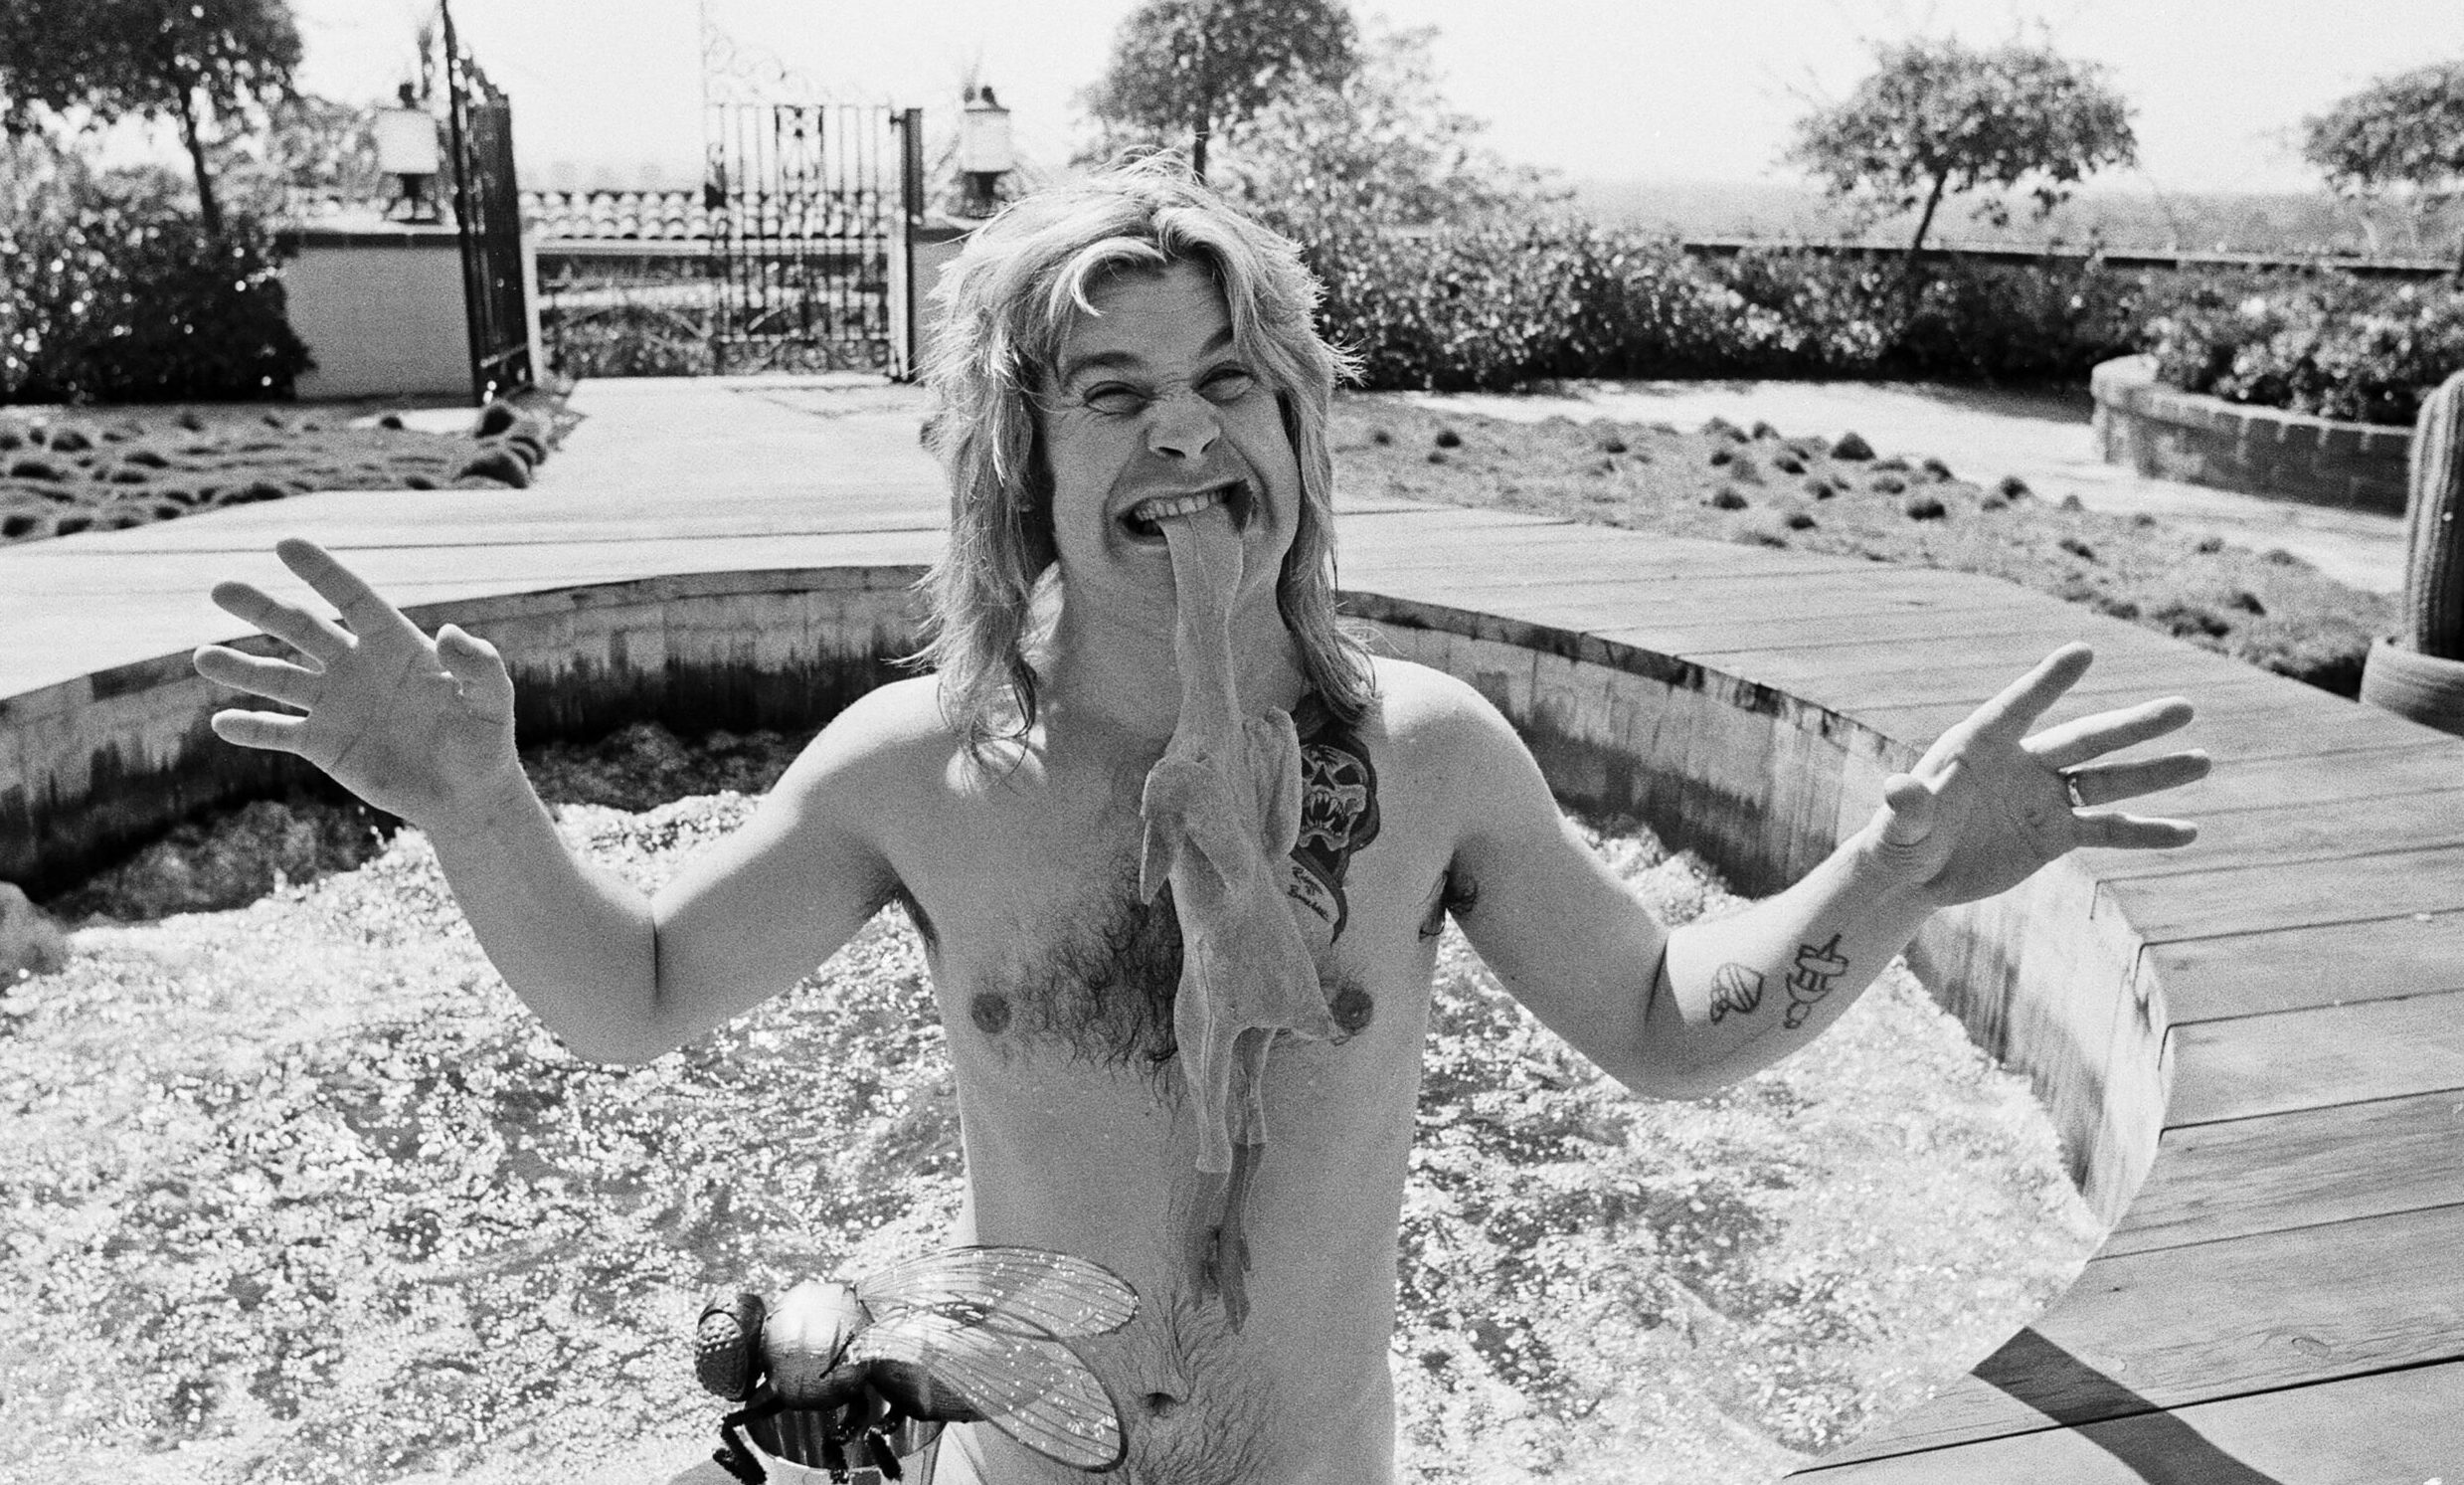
{"x": 809, "y": 206}
{"x": 487, "y": 209}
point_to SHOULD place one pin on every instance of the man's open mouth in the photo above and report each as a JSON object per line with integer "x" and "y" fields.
{"x": 1145, "y": 521}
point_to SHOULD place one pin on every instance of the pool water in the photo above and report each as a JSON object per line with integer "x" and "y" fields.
{"x": 299, "y": 1192}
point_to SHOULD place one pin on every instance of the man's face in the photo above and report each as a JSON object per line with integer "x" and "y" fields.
{"x": 1151, "y": 410}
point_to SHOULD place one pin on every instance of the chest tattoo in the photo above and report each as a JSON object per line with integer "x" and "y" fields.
{"x": 1338, "y": 814}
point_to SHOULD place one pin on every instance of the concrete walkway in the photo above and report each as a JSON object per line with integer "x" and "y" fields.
{"x": 1983, "y": 434}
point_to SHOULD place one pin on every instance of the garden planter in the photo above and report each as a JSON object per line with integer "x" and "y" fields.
{"x": 2166, "y": 433}
{"x": 2420, "y": 687}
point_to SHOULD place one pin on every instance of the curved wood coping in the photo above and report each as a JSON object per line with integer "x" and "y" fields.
{"x": 2253, "y": 1049}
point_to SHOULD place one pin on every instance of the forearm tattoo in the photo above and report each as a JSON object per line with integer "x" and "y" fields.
{"x": 1816, "y": 969}
{"x": 1737, "y": 989}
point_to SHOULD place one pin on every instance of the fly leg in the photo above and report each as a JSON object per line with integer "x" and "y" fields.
{"x": 877, "y": 1438}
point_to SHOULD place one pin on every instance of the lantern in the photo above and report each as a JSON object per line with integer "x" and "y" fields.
{"x": 407, "y": 150}
{"x": 984, "y": 155}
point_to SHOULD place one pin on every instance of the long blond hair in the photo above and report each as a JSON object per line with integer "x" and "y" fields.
{"x": 1007, "y": 303}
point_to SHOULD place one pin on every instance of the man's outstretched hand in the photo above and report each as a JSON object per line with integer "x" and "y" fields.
{"x": 417, "y": 727}
{"x": 1988, "y": 804}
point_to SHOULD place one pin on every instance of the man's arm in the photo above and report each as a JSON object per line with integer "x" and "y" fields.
{"x": 1680, "y": 1015}
{"x": 423, "y": 728}
{"x": 621, "y": 977}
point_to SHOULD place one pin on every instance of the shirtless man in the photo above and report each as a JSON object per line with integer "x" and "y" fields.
{"x": 1128, "y": 367}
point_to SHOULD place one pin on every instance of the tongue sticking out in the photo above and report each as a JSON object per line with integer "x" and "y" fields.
{"x": 1222, "y": 809}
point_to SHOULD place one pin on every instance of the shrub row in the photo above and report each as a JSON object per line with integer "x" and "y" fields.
{"x": 1490, "y": 307}
{"x": 110, "y": 291}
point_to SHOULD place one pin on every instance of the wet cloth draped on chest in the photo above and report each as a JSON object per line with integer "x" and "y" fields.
{"x": 1222, "y": 809}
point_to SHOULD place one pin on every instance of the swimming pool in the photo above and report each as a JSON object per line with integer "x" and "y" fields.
{"x": 303, "y": 1194}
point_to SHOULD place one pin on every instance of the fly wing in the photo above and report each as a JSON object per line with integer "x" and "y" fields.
{"x": 1030, "y": 1387}
{"x": 1013, "y": 1290}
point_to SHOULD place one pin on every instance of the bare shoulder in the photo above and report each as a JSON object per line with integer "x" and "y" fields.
{"x": 902, "y": 714}
{"x": 1433, "y": 717}
{"x": 1460, "y": 756}
{"x": 877, "y": 756}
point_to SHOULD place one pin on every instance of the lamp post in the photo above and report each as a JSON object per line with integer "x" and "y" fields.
{"x": 407, "y": 150}
{"x": 984, "y": 155}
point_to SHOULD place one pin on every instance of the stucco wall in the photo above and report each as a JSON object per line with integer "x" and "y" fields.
{"x": 936, "y": 248}
{"x": 381, "y": 311}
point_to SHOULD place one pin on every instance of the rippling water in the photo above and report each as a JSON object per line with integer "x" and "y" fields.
{"x": 299, "y": 1192}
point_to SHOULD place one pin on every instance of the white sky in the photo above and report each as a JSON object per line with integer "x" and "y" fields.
{"x": 1613, "y": 90}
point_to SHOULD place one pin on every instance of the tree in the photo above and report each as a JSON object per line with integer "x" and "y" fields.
{"x": 1201, "y": 65}
{"x": 308, "y": 146}
{"x": 189, "y": 60}
{"x": 1938, "y": 117}
{"x": 1379, "y": 144}
{"x": 2405, "y": 133}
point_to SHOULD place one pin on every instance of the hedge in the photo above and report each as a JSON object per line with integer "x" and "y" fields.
{"x": 114, "y": 293}
{"x": 1489, "y": 306}
{"x": 1494, "y": 305}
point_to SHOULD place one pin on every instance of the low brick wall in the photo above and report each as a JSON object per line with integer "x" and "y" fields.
{"x": 2170, "y": 434}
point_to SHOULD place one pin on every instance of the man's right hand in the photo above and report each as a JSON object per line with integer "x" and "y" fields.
{"x": 417, "y": 727}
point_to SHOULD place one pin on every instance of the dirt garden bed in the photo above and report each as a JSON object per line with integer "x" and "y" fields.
{"x": 1755, "y": 484}
{"x": 68, "y": 469}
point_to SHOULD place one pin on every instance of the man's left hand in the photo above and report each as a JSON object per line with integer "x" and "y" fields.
{"x": 1988, "y": 804}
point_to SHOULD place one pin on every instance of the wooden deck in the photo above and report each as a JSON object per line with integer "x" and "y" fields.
{"x": 2283, "y": 1300}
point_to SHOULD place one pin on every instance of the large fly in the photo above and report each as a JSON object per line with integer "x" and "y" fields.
{"x": 840, "y": 1368}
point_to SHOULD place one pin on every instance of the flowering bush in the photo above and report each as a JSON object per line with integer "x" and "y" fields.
{"x": 114, "y": 292}
{"x": 2327, "y": 344}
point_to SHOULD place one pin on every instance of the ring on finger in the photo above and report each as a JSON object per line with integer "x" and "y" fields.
{"x": 2070, "y": 786}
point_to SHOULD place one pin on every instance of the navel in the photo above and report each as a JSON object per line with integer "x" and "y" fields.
{"x": 990, "y": 1012}
{"x": 1352, "y": 1009}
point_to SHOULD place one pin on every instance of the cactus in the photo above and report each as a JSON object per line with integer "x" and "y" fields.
{"x": 2433, "y": 530}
